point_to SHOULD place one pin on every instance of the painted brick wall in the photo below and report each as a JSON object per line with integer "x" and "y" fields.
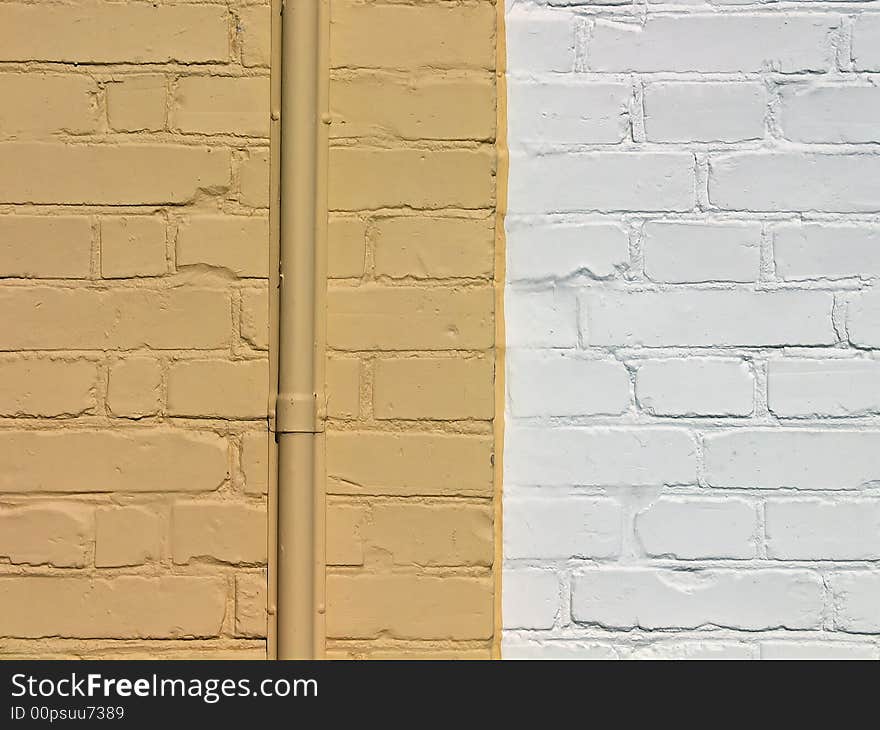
{"x": 692, "y": 315}
{"x": 133, "y": 351}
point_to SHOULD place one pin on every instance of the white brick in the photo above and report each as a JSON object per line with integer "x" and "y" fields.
{"x": 699, "y": 252}
{"x": 863, "y": 319}
{"x": 817, "y": 650}
{"x": 708, "y": 317}
{"x": 856, "y": 597}
{"x": 539, "y": 40}
{"x": 866, "y": 43}
{"x": 821, "y": 251}
{"x": 603, "y": 457}
{"x": 792, "y": 458}
{"x": 695, "y": 387}
{"x": 803, "y": 388}
{"x": 668, "y": 599}
{"x": 568, "y": 111}
{"x": 541, "y": 319}
{"x": 784, "y": 42}
{"x": 561, "y": 527}
{"x": 704, "y": 111}
{"x": 601, "y": 181}
{"x": 552, "y": 383}
{"x": 769, "y": 181}
{"x": 565, "y": 649}
{"x": 824, "y": 113}
{"x": 559, "y": 251}
{"x": 819, "y": 529}
{"x": 531, "y": 598}
{"x": 692, "y": 528}
{"x": 692, "y": 650}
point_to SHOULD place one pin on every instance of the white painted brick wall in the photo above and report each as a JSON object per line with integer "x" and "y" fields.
{"x": 692, "y": 451}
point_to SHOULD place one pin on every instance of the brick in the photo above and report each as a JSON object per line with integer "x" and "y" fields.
{"x": 727, "y": 43}
{"x": 701, "y": 252}
{"x": 403, "y": 36}
{"x": 865, "y": 53}
{"x": 255, "y": 462}
{"x": 855, "y": 595}
{"x": 135, "y": 387}
{"x": 45, "y": 247}
{"x": 409, "y": 607}
{"x": 102, "y": 173}
{"x": 553, "y": 383}
{"x": 819, "y": 251}
{"x": 561, "y": 527}
{"x": 819, "y": 529}
{"x": 792, "y": 458}
{"x": 434, "y": 248}
{"x": 816, "y": 650}
{"x": 601, "y": 181}
{"x": 531, "y": 598}
{"x": 52, "y": 319}
{"x": 362, "y": 462}
{"x": 539, "y": 40}
{"x": 124, "y": 607}
{"x": 666, "y": 599}
{"x": 253, "y": 178}
{"x": 346, "y": 248}
{"x": 237, "y": 243}
{"x": 127, "y": 536}
{"x": 224, "y": 389}
{"x": 690, "y": 528}
{"x": 438, "y": 389}
{"x": 541, "y": 318}
{"x": 429, "y": 107}
{"x": 255, "y": 317}
{"x": 138, "y": 103}
{"x": 413, "y": 652}
{"x": 703, "y": 318}
{"x": 46, "y": 534}
{"x": 42, "y": 387}
{"x": 409, "y": 318}
{"x": 564, "y": 649}
{"x": 133, "y": 246}
{"x": 704, "y": 111}
{"x": 108, "y": 32}
{"x": 826, "y": 113}
{"x": 343, "y": 387}
{"x": 770, "y": 181}
{"x": 226, "y": 531}
{"x": 345, "y": 528}
{"x": 416, "y": 178}
{"x": 222, "y": 105}
{"x": 255, "y": 32}
{"x": 695, "y": 387}
{"x": 568, "y": 111}
{"x": 831, "y": 388}
{"x": 130, "y": 460}
{"x": 692, "y": 650}
{"x": 37, "y": 103}
{"x": 571, "y": 456}
{"x": 863, "y": 318}
{"x": 251, "y": 618}
{"x": 566, "y": 251}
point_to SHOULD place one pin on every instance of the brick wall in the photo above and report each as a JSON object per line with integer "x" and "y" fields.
{"x": 692, "y": 309}
{"x": 133, "y": 373}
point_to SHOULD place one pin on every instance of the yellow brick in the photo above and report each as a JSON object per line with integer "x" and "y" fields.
{"x": 41, "y": 318}
{"x": 409, "y": 607}
{"x": 345, "y": 523}
{"x": 51, "y": 247}
{"x": 433, "y": 107}
{"x": 105, "y": 174}
{"x": 367, "y": 179}
{"x": 127, "y": 536}
{"x": 255, "y": 317}
{"x": 36, "y": 103}
{"x": 250, "y": 604}
{"x": 255, "y": 462}
{"x": 361, "y": 462}
{"x": 132, "y": 246}
{"x": 135, "y": 387}
{"x": 46, "y": 534}
{"x": 408, "y": 318}
{"x": 95, "y": 31}
{"x": 254, "y": 178}
{"x": 435, "y": 248}
{"x": 222, "y": 105}
{"x": 343, "y": 387}
{"x": 255, "y": 24}
{"x": 347, "y": 241}
{"x": 129, "y": 460}
{"x": 224, "y": 531}
{"x": 410, "y": 652}
{"x": 41, "y": 387}
{"x": 219, "y": 388}
{"x": 444, "y": 389}
{"x": 405, "y": 36}
{"x": 237, "y": 243}
{"x": 137, "y": 103}
{"x": 119, "y": 607}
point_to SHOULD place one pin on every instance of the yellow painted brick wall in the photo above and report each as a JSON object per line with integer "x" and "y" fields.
{"x": 411, "y": 330}
{"x": 134, "y": 254}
